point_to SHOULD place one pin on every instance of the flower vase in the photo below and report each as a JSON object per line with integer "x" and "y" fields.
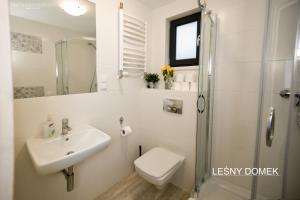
{"x": 151, "y": 85}
{"x": 168, "y": 83}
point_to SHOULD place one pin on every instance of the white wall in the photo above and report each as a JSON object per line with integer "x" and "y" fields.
{"x": 239, "y": 50}
{"x": 171, "y": 131}
{"x": 174, "y": 132}
{"x": 160, "y": 33}
{"x": 239, "y": 54}
{"x": 81, "y": 66}
{"x": 101, "y": 109}
{"x": 6, "y": 108}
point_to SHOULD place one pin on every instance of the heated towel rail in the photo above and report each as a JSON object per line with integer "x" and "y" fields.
{"x": 132, "y": 45}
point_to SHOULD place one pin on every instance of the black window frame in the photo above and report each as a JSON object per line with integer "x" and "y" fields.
{"x": 172, "y": 46}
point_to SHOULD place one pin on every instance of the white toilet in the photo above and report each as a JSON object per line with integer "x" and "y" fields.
{"x": 158, "y": 165}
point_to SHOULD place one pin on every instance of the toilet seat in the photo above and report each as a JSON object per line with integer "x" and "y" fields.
{"x": 158, "y": 165}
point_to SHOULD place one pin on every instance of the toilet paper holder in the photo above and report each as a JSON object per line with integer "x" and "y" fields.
{"x": 124, "y": 130}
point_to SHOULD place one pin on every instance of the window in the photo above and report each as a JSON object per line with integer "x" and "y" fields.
{"x": 184, "y": 32}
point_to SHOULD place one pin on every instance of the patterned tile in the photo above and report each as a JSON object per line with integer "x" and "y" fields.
{"x": 28, "y": 92}
{"x": 26, "y": 43}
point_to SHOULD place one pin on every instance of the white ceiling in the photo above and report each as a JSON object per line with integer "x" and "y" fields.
{"x": 49, "y": 12}
{"x": 156, "y": 3}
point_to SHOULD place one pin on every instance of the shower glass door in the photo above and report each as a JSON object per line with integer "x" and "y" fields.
{"x": 279, "y": 143}
{"x": 76, "y": 66}
{"x": 62, "y": 84}
{"x": 205, "y": 95}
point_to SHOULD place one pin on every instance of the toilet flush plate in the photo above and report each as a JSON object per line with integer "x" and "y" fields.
{"x": 173, "y": 106}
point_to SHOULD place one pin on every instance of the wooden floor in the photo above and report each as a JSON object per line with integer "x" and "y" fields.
{"x": 134, "y": 187}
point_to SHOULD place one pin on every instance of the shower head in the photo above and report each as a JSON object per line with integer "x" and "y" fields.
{"x": 202, "y": 4}
{"x": 91, "y": 44}
{"x": 89, "y": 38}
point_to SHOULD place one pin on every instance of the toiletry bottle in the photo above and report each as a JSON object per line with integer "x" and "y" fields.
{"x": 49, "y": 127}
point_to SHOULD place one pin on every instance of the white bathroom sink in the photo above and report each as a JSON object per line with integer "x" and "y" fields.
{"x": 55, "y": 154}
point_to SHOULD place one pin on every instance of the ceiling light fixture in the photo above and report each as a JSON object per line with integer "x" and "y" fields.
{"x": 73, "y": 8}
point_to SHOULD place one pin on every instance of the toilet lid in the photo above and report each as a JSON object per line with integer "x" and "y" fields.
{"x": 157, "y": 162}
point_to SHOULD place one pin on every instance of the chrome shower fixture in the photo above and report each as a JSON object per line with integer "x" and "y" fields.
{"x": 202, "y": 4}
{"x": 91, "y": 44}
{"x": 203, "y": 7}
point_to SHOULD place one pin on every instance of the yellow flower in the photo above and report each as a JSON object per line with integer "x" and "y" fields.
{"x": 167, "y": 68}
{"x": 170, "y": 69}
{"x": 163, "y": 68}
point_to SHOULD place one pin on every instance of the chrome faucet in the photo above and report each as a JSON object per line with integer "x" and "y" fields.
{"x": 65, "y": 126}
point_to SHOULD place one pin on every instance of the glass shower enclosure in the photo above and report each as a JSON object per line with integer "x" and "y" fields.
{"x": 207, "y": 44}
{"x": 277, "y": 139}
{"x": 279, "y": 134}
{"x": 76, "y": 66}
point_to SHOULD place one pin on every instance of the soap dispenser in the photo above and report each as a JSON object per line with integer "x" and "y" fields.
{"x": 49, "y": 127}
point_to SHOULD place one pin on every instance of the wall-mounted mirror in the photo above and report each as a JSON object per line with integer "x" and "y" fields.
{"x": 53, "y": 47}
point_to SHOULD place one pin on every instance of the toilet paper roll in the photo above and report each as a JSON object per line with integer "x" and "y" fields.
{"x": 126, "y": 131}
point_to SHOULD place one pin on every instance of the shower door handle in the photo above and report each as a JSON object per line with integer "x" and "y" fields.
{"x": 285, "y": 93}
{"x": 297, "y": 96}
{"x": 270, "y": 127}
{"x": 201, "y": 97}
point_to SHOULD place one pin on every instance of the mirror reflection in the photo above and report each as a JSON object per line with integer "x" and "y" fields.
{"x": 53, "y": 47}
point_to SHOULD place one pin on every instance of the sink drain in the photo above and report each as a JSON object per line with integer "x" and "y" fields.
{"x": 70, "y": 152}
